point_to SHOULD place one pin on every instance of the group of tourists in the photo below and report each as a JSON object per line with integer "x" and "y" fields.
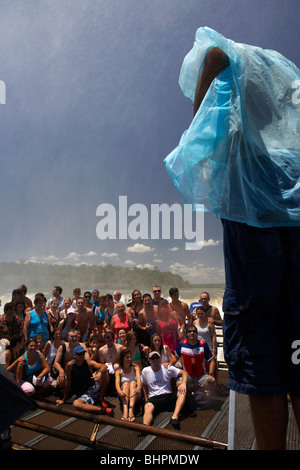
{"x": 153, "y": 353}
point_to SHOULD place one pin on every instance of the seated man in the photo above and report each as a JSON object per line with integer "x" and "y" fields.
{"x": 194, "y": 355}
{"x": 158, "y": 389}
{"x": 88, "y": 386}
{"x": 65, "y": 353}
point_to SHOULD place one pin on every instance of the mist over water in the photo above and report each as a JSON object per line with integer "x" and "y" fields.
{"x": 186, "y": 295}
{"x": 216, "y": 295}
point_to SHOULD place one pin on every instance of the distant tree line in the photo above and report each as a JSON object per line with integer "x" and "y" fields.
{"x": 39, "y": 277}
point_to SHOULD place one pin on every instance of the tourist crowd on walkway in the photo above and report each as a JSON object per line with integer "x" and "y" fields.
{"x": 151, "y": 352}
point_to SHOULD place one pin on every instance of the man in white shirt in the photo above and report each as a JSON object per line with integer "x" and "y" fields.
{"x": 158, "y": 390}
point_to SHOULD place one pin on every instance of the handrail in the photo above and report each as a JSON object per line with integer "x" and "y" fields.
{"x": 56, "y": 433}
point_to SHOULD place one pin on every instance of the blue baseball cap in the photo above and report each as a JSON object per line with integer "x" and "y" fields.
{"x": 79, "y": 350}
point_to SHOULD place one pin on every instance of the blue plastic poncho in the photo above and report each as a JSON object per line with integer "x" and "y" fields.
{"x": 240, "y": 157}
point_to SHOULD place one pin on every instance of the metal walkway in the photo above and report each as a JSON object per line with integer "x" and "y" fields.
{"x": 48, "y": 428}
{"x": 112, "y": 433}
{"x": 226, "y": 424}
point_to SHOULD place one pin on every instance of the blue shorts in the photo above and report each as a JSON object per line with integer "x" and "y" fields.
{"x": 91, "y": 397}
{"x": 261, "y": 306}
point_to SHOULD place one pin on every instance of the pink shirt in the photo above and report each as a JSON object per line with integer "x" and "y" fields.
{"x": 121, "y": 324}
{"x": 169, "y": 333}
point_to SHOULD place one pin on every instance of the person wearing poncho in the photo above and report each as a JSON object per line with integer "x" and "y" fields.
{"x": 240, "y": 160}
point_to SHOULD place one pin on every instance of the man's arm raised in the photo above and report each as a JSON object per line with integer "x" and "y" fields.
{"x": 215, "y": 61}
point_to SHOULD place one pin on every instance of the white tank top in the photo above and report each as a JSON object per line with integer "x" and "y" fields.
{"x": 164, "y": 357}
{"x": 128, "y": 377}
{"x": 52, "y": 353}
{"x": 204, "y": 334}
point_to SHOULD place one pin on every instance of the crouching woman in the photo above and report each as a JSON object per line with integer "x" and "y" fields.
{"x": 32, "y": 372}
{"x": 128, "y": 384}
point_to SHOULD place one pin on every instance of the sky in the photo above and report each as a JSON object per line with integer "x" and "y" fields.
{"x": 90, "y": 108}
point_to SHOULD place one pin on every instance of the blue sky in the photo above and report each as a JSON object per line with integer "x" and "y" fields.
{"x": 93, "y": 107}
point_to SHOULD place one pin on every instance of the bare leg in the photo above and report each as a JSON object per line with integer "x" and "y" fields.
{"x": 179, "y": 404}
{"x": 125, "y": 400}
{"x": 132, "y": 400}
{"x": 104, "y": 383}
{"x": 148, "y": 414}
{"x": 81, "y": 406}
{"x": 270, "y": 418}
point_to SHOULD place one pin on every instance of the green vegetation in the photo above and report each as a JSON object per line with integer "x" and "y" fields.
{"x": 42, "y": 277}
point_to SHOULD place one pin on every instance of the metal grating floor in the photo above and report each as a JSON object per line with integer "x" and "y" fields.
{"x": 211, "y": 423}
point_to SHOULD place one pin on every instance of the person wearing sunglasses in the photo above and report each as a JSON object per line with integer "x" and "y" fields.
{"x": 198, "y": 361}
{"x": 158, "y": 391}
{"x": 157, "y": 298}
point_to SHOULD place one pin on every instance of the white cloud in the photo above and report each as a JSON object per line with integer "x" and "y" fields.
{"x": 76, "y": 256}
{"x": 179, "y": 267}
{"x": 50, "y": 258}
{"x": 211, "y": 242}
{"x": 139, "y": 248}
{"x": 83, "y": 263}
{"x": 73, "y": 256}
{"x": 90, "y": 253}
{"x": 205, "y": 243}
{"x": 198, "y": 273}
{"x": 146, "y": 265}
{"x": 110, "y": 255}
{"x": 175, "y": 248}
{"x": 128, "y": 262}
